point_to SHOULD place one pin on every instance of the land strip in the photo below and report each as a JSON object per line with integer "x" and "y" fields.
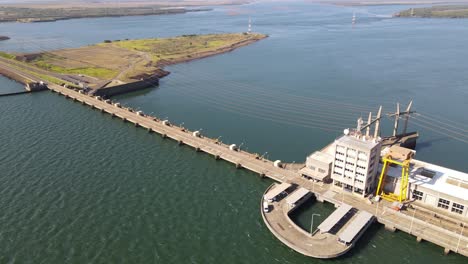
{"x": 30, "y": 15}
{"x": 448, "y": 11}
{"x": 122, "y": 62}
{"x": 48, "y": 12}
{"x": 389, "y": 2}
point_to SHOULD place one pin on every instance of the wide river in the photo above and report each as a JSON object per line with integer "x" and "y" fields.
{"x": 79, "y": 187}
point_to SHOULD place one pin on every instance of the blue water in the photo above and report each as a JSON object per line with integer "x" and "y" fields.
{"x": 80, "y": 187}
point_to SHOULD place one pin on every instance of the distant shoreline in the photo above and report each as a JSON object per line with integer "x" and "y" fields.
{"x": 52, "y": 15}
{"x": 447, "y": 11}
{"x": 390, "y": 2}
{"x": 2, "y": 38}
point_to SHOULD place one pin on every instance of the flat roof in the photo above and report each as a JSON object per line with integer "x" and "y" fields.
{"x": 438, "y": 182}
{"x": 276, "y": 190}
{"x": 297, "y": 195}
{"x": 355, "y": 226}
{"x": 353, "y": 141}
{"x": 322, "y": 157}
{"x": 334, "y": 218}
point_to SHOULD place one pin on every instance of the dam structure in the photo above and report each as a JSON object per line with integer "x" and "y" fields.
{"x": 339, "y": 186}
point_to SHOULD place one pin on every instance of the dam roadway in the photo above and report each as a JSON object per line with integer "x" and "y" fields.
{"x": 447, "y": 233}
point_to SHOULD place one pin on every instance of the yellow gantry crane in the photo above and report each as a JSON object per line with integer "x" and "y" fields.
{"x": 403, "y": 195}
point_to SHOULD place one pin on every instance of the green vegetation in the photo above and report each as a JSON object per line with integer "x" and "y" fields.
{"x": 185, "y": 46}
{"x": 98, "y": 72}
{"x": 21, "y": 66}
{"x": 125, "y": 61}
{"x": 450, "y": 11}
{"x": 7, "y": 55}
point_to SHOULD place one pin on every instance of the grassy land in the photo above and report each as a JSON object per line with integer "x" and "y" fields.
{"x": 7, "y": 55}
{"x": 129, "y": 60}
{"x": 453, "y": 11}
{"x": 24, "y": 68}
{"x": 184, "y": 46}
{"x": 46, "y": 62}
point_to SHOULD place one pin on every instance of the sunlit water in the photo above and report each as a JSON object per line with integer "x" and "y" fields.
{"x": 77, "y": 186}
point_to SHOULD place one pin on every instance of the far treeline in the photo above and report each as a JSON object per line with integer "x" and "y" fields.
{"x": 26, "y": 14}
{"x": 449, "y": 11}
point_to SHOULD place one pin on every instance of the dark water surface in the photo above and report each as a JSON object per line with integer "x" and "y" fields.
{"x": 79, "y": 187}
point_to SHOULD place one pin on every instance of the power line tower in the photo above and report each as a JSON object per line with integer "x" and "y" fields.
{"x": 406, "y": 115}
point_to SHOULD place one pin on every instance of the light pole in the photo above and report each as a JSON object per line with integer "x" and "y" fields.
{"x": 312, "y": 223}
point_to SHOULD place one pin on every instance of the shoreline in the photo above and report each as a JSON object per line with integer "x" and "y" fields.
{"x": 142, "y": 81}
{"x": 206, "y": 54}
{"x": 161, "y": 12}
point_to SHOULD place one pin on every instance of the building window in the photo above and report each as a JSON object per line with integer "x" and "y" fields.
{"x": 417, "y": 195}
{"x": 321, "y": 170}
{"x": 457, "y": 208}
{"x": 443, "y": 203}
{"x": 312, "y": 168}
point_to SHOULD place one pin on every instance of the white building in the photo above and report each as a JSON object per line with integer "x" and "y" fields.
{"x": 318, "y": 165}
{"x": 434, "y": 186}
{"x": 355, "y": 164}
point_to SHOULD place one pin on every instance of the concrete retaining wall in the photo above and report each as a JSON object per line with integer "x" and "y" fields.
{"x": 128, "y": 87}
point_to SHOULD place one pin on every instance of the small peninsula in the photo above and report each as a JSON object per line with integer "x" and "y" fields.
{"x": 448, "y": 11}
{"x": 121, "y": 62}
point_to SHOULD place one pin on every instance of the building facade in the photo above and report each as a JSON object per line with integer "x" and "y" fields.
{"x": 318, "y": 166}
{"x": 355, "y": 164}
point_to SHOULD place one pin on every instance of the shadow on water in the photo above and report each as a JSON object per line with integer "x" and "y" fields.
{"x": 144, "y": 91}
{"x": 428, "y": 143}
